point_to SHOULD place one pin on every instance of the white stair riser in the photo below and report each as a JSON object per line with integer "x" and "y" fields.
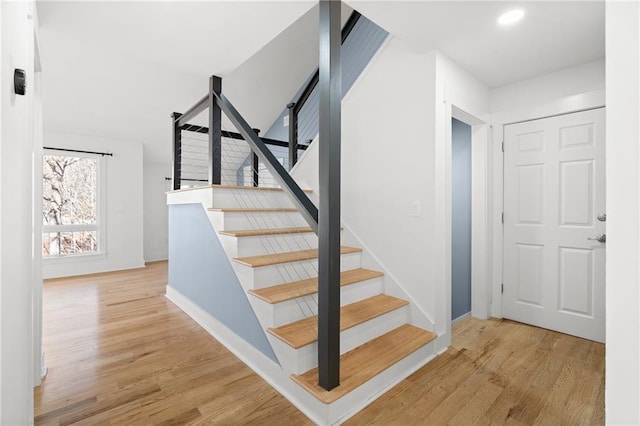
{"x": 265, "y": 244}
{"x": 238, "y": 198}
{"x": 267, "y": 276}
{"x": 255, "y": 220}
{"x": 275, "y": 315}
{"x": 298, "y": 361}
{"x": 204, "y": 196}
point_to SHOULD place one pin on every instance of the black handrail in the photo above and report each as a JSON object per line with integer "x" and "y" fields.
{"x": 235, "y": 135}
{"x": 304, "y": 96}
{"x": 296, "y": 107}
{"x": 194, "y": 111}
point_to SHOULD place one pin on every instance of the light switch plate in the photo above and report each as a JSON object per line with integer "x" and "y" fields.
{"x": 416, "y": 209}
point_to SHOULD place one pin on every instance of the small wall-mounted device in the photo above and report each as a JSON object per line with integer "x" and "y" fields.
{"x": 19, "y": 81}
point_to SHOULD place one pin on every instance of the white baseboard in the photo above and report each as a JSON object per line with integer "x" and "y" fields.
{"x": 460, "y": 318}
{"x": 274, "y": 375}
{"x": 271, "y": 372}
{"x": 68, "y": 270}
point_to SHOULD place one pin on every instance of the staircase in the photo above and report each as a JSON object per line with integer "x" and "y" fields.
{"x": 247, "y": 270}
{"x": 269, "y": 248}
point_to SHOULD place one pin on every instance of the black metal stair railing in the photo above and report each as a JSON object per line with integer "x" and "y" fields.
{"x": 191, "y": 143}
{"x": 216, "y": 103}
{"x": 296, "y": 107}
{"x": 299, "y": 198}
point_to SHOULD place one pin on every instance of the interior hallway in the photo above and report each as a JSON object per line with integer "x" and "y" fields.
{"x": 119, "y": 353}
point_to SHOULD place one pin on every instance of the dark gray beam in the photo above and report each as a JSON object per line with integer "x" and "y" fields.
{"x": 194, "y": 111}
{"x": 330, "y": 91}
{"x": 215, "y": 132}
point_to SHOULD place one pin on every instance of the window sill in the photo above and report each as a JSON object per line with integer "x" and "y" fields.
{"x": 71, "y": 258}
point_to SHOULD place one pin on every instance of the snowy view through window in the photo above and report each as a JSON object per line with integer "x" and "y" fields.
{"x": 69, "y": 214}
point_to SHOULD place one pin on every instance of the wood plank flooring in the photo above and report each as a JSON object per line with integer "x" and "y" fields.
{"x": 500, "y": 372}
{"x": 119, "y": 353}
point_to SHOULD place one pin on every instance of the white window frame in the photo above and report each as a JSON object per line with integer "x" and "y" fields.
{"x": 99, "y": 227}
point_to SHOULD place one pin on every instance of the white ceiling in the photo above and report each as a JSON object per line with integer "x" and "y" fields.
{"x": 552, "y": 36}
{"x": 118, "y": 69}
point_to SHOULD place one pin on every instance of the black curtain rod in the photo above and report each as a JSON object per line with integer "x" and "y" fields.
{"x": 79, "y": 151}
{"x": 190, "y": 180}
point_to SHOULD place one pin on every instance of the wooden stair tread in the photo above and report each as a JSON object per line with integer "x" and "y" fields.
{"x": 367, "y": 361}
{"x": 283, "y": 292}
{"x": 250, "y": 210}
{"x": 303, "y": 332}
{"x": 268, "y": 231}
{"x": 272, "y": 231}
{"x": 291, "y": 256}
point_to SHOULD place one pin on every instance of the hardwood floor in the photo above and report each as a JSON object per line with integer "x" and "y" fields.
{"x": 119, "y": 353}
{"x": 500, "y": 372}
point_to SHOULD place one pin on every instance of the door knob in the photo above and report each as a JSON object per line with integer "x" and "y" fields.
{"x": 602, "y": 217}
{"x": 601, "y": 238}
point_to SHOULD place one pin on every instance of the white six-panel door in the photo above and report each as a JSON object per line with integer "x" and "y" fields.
{"x": 554, "y": 190}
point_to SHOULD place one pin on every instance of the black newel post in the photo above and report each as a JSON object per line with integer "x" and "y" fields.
{"x": 177, "y": 151}
{"x": 255, "y": 164}
{"x": 329, "y": 212}
{"x": 215, "y": 132}
{"x": 293, "y": 135}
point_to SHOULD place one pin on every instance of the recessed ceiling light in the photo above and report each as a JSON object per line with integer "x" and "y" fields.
{"x": 511, "y": 17}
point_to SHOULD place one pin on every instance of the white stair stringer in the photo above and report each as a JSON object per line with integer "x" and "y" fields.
{"x": 228, "y": 210}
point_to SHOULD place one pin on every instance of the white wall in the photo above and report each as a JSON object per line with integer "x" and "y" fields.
{"x": 623, "y": 213}
{"x": 396, "y": 126}
{"x": 155, "y": 210}
{"x": 123, "y": 201}
{"x": 458, "y": 90}
{"x": 16, "y": 216}
{"x": 548, "y": 88}
{"x": 569, "y": 90}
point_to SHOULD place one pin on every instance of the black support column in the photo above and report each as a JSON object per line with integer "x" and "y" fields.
{"x": 177, "y": 151}
{"x": 329, "y": 212}
{"x": 215, "y": 132}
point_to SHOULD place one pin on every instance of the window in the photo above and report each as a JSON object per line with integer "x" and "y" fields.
{"x": 70, "y": 201}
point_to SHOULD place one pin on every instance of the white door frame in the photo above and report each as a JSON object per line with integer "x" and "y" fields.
{"x": 39, "y": 369}
{"x": 480, "y": 214}
{"x": 480, "y": 225}
{"x": 561, "y": 106}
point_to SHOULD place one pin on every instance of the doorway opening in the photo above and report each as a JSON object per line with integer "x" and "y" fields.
{"x": 461, "y": 218}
